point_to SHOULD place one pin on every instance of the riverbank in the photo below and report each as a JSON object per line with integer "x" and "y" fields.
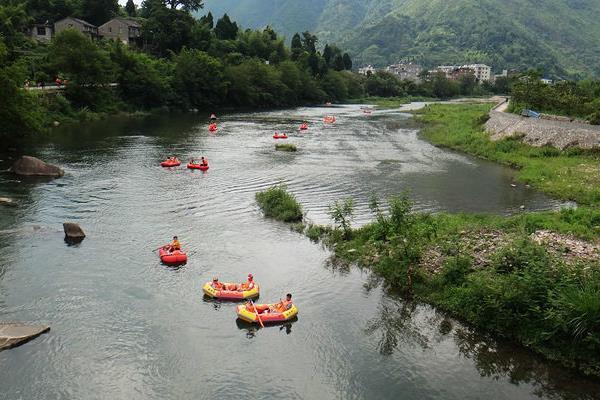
{"x": 533, "y": 277}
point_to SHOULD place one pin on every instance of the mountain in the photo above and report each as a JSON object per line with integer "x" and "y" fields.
{"x": 560, "y": 36}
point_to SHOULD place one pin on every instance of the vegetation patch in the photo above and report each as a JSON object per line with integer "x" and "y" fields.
{"x": 277, "y": 203}
{"x": 498, "y": 273}
{"x": 286, "y": 147}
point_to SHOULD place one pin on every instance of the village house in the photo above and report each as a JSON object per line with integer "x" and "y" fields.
{"x": 125, "y": 30}
{"x": 78, "y": 24}
{"x": 408, "y": 72}
{"x": 481, "y": 72}
{"x": 41, "y": 32}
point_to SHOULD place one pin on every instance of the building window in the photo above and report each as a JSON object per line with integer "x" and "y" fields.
{"x": 41, "y": 31}
{"x": 109, "y": 29}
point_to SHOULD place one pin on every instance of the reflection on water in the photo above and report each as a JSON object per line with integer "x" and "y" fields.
{"x": 125, "y": 326}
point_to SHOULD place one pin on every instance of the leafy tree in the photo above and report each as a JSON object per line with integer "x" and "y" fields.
{"x": 165, "y": 29}
{"x": 347, "y": 62}
{"x": 309, "y": 42}
{"x": 50, "y": 10}
{"x": 79, "y": 59}
{"x": 98, "y": 12}
{"x": 338, "y": 63}
{"x": 328, "y": 54}
{"x": 225, "y": 29}
{"x": 198, "y": 79}
{"x": 296, "y": 46}
{"x": 13, "y": 22}
{"x": 187, "y": 5}
{"x": 130, "y": 8}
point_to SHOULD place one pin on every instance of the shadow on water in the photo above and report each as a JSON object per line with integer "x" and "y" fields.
{"x": 253, "y": 329}
{"x": 496, "y": 359}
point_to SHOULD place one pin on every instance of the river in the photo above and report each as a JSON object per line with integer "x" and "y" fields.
{"x": 126, "y": 327}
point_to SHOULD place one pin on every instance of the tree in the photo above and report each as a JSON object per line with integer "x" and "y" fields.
{"x": 198, "y": 79}
{"x": 347, "y": 62}
{"x": 296, "y": 46}
{"x": 13, "y": 22}
{"x": 208, "y": 20}
{"x": 187, "y": 5}
{"x": 338, "y": 62}
{"x": 165, "y": 29}
{"x": 225, "y": 29}
{"x": 309, "y": 42}
{"x": 98, "y": 12}
{"x": 327, "y": 54}
{"x": 130, "y": 8}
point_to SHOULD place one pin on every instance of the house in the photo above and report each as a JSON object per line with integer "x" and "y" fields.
{"x": 368, "y": 70}
{"x": 405, "y": 71}
{"x": 41, "y": 32}
{"x": 78, "y": 24}
{"x": 125, "y": 30}
{"x": 481, "y": 72}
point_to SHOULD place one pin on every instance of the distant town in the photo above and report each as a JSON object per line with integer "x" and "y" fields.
{"x": 415, "y": 72}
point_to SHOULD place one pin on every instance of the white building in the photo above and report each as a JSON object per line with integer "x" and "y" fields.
{"x": 482, "y": 72}
{"x": 368, "y": 70}
{"x": 409, "y": 72}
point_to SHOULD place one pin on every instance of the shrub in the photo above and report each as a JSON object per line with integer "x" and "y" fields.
{"x": 518, "y": 255}
{"x": 456, "y": 269}
{"x": 342, "y": 212}
{"x": 277, "y": 203}
{"x": 286, "y": 147}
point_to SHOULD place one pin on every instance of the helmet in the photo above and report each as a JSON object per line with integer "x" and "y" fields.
{"x": 215, "y": 279}
{"x": 250, "y": 277}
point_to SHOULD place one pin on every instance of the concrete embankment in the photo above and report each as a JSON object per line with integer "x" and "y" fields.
{"x": 542, "y": 132}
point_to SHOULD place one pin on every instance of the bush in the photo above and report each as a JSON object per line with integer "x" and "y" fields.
{"x": 277, "y": 203}
{"x": 456, "y": 269}
{"x": 342, "y": 212}
{"x": 286, "y": 147}
{"x": 518, "y": 255}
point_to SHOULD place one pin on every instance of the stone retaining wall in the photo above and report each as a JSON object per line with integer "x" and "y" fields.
{"x": 542, "y": 132}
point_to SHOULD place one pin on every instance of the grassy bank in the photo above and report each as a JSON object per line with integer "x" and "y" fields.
{"x": 571, "y": 175}
{"x": 500, "y": 274}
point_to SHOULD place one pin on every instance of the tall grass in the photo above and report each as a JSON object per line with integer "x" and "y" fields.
{"x": 277, "y": 203}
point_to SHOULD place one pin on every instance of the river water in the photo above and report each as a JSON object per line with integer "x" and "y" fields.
{"x": 126, "y": 327}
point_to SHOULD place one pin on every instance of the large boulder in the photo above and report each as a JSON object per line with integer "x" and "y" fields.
{"x": 31, "y": 166}
{"x": 15, "y": 333}
{"x": 73, "y": 232}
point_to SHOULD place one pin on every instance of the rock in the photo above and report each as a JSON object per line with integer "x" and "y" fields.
{"x": 15, "y": 333}
{"x": 5, "y": 201}
{"x": 522, "y": 207}
{"x": 56, "y": 123}
{"x": 31, "y": 166}
{"x": 73, "y": 232}
{"x": 513, "y": 185}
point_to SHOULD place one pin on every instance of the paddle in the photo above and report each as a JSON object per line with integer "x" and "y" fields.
{"x": 257, "y": 315}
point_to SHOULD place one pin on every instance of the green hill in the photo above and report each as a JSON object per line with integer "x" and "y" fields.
{"x": 560, "y": 36}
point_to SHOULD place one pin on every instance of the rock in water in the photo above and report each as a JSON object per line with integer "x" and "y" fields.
{"x": 31, "y": 166}
{"x": 15, "y": 333}
{"x": 73, "y": 232}
{"x": 5, "y": 201}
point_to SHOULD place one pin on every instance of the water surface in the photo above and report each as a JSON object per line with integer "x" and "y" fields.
{"x": 123, "y": 326}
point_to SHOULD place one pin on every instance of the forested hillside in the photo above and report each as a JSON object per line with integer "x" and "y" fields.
{"x": 560, "y": 36}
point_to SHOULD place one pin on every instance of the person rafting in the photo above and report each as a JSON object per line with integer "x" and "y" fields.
{"x": 204, "y": 162}
{"x": 213, "y": 118}
{"x": 192, "y": 161}
{"x": 283, "y": 305}
{"x": 174, "y": 245}
{"x": 249, "y": 285}
{"x": 216, "y": 284}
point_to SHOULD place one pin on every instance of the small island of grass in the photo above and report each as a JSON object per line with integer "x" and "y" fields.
{"x": 286, "y": 147}
{"x": 277, "y": 203}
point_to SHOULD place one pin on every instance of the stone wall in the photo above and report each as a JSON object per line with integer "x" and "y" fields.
{"x": 542, "y": 132}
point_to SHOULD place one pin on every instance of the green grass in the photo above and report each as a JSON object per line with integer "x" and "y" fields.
{"x": 571, "y": 175}
{"x": 286, "y": 147}
{"x": 277, "y": 203}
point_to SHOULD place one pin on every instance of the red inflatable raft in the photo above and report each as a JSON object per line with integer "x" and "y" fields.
{"x": 303, "y": 127}
{"x": 213, "y": 128}
{"x": 172, "y": 257}
{"x": 170, "y": 163}
{"x": 280, "y": 136}
{"x": 201, "y": 167}
{"x": 329, "y": 119}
